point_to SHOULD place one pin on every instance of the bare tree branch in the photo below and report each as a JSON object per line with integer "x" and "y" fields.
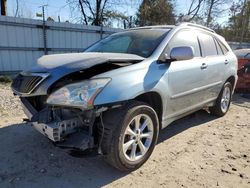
{"x": 98, "y": 12}
{"x": 17, "y": 8}
{"x": 87, "y": 3}
{"x": 194, "y": 10}
{"x": 83, "y": 12}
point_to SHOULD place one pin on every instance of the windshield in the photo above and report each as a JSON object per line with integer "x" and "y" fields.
{"x": 140, "y": 42}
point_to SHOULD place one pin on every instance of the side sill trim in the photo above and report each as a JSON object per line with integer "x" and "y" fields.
{"x": 195, "y": 90}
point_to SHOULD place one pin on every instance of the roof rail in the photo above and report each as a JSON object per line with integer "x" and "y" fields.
{"x": 198, "y": 26}
{"x": 152, "y": 27}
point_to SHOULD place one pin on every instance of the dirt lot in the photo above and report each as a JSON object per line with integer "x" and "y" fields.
{"x": 196, "y": 151}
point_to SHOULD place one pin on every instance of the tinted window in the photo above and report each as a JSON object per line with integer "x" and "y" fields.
{"x": 184, "y": 38}
{"x": 141, "y": 42}
{"x": 117, "y": 45}
{"x": 208, "y": 47}
{"x": 219, "y": 50}
{"x": 223, "y": 47}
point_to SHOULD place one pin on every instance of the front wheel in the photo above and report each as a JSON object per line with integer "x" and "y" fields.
{"x": 223, "y": 101}
{"x": 130, "y": 135}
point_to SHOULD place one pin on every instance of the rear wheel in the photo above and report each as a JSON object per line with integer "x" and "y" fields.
{"x": 130, "y": 135}
{"x": 223, "y": 101}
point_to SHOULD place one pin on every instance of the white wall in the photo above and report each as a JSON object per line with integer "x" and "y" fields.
{"x": 22, "y": 42}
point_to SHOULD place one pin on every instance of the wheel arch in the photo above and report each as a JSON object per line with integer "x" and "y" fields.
{"x": 232, "y": 80}
{"x": 153, "y": 99}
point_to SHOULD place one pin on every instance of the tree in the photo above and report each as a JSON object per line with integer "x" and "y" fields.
{"x": 245, "y": 18}
{"x": 50, "y": 19}
{"x": 17, "y": 8}
{"x": 111, "y": 16}
{"x": 97, "y": 12}
{"x": 3, "y": 7}
{"x": 194, "y": 8}
{"x": 233, "y": 20}
{"x": 213, "y": 9}
{"x": 155, "y": 12}
{"x": 238, "y": 27}
{"x": 21, "y": 10}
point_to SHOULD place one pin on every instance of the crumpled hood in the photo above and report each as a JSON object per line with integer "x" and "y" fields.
{"x": 59, "y": 65}
{"x": 72, "y": 61}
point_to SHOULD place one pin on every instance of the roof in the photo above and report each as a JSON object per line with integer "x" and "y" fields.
{"x": 153, "y": 27}
{"x": 173, "y": 26}
{"x": 196, "y": 25}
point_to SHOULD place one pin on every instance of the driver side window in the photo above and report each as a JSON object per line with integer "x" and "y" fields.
{"x": 184, "y": 38}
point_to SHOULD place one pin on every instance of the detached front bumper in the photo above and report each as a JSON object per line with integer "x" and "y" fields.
{"x": 75, "y": 132}
{"x": 57, "y": 131}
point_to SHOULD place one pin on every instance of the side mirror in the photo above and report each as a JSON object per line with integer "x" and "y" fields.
{"x": 182, "y": 53}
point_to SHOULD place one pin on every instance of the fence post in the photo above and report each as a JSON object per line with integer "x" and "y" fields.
{"x": 101, "y": 31}
{"x": 44, "y": 34}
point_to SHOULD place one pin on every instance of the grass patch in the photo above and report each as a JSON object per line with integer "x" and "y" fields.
{"x": 5, "y": 79}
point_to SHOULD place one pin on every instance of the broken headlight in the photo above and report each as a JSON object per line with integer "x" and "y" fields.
{"x": 80, "y": 94}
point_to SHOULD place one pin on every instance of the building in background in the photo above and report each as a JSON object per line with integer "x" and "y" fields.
{"x": 237, "y": 45}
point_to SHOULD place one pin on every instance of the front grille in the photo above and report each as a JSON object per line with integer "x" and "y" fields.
{"x": 25, "y": 84}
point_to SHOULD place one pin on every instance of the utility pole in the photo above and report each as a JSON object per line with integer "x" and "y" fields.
{"x": 3, "y": 7}
{"x": 44, "y": 31}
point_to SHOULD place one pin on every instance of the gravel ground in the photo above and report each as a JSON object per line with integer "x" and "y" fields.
{"x": 196, "y": 151}
{"x": 10, "y": 108}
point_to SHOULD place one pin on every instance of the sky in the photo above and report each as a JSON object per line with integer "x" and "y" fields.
{"x": 56, "y": 8}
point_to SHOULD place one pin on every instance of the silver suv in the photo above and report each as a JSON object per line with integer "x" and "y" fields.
{"x": 117, "y": 95}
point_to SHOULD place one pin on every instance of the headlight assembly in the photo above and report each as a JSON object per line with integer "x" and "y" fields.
{"x": 80, "y": 94}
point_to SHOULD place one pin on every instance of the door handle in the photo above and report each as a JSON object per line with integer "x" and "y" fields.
{"x": 226, "y": 62}
{"x": 204, "y": 66}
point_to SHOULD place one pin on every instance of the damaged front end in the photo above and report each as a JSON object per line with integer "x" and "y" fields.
{"x": 66, "y": 126}
{"x": 67, "y": 115}
{"x": 59, "y": 100}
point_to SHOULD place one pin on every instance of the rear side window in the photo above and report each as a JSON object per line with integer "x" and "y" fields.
{"x": 184, "y": 38}
{"x": 219, "y": 50}
{"x": 208, "y": 46}
{"x": 223, "y": 47}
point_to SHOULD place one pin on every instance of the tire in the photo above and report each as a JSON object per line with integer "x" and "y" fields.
{"x": 129, "y": 156}
{"x": 223, "y": 101}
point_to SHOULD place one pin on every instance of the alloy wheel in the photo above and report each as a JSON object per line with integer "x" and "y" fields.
{"x": 225, "y": 99}
{"x": 137, "y": 137}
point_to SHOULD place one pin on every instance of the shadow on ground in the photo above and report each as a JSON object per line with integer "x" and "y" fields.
{"x": 241, "y": 99}
{"x": 28, "y": 159}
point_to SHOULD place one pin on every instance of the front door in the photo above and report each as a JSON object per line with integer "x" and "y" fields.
{"x": 187, "y": 78}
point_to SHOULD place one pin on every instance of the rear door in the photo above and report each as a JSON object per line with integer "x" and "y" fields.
{"x": 216, "y": 63}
